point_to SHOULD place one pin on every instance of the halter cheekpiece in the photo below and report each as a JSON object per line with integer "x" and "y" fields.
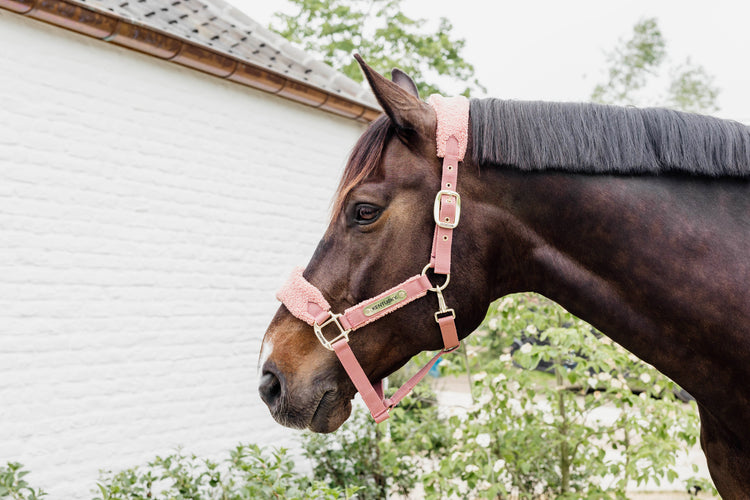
{"x": 306, "y": 302}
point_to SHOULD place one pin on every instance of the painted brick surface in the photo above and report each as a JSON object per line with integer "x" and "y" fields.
{"x": 147, "y": 215}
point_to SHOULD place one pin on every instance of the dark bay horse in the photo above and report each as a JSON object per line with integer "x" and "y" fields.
{"x": 635, "y": 220}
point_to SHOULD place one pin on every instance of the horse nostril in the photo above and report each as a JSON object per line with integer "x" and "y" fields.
{"x": 270, "y": 389}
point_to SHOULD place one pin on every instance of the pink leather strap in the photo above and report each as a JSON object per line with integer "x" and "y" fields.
{"x": 375, "y": 308}
{"x": 412, "y": 382}
{"x": 372, "y": 394}
{"x": 449, "y": 332}
{"x": 372, "y": 399}
{"x": 307, "y": 303}
{"x": 443, "y": 238}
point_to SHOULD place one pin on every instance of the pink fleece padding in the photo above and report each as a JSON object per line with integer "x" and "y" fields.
{"x": 415, "y": 287}
{"x": 452, "y": 120}
{"x": 303, "y": 299}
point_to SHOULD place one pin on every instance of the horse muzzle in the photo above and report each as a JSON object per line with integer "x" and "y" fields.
{"x": 314, "y": 401}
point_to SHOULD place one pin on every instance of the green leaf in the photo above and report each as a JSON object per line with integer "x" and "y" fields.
{"x": 384, "y": 36}
{"x": 639, "y": 61}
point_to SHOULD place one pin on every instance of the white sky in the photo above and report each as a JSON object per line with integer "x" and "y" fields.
{"x": 555, "y": 50}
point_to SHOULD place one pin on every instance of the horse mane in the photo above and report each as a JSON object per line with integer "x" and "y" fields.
{"x": 603, "y": 139}
{"x": 578, "y": 137}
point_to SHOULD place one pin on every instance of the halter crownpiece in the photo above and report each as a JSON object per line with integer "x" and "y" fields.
{"x": 452, "y": 120}
{"x": 306, "y": 302}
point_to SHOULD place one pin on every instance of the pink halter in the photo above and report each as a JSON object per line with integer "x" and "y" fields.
{"x": 306, "y": 302}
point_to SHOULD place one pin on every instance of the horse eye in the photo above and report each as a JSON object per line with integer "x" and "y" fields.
{"x": 366, "y": 214}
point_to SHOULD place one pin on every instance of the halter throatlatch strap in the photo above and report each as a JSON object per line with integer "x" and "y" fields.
{"x": 306, "y": 302}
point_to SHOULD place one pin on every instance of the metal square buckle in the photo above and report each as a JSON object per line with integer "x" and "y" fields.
{"x": 438, "y": 206}
{"x": 343, "y": 333}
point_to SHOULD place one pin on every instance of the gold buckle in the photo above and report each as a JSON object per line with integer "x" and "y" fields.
{"x": 450, "y": 312}
{"x": 444, "y": 309}
{"x": 438, "y": 205}
{"x": 343, "y": 333}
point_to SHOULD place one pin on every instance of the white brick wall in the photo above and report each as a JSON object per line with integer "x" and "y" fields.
{"x": 147, "y": 215}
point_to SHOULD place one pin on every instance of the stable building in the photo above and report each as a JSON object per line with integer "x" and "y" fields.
{"x": 163, "y": 165}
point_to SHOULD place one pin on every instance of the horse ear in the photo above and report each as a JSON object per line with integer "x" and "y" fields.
{"x": 404, "y": 81}
{"x": 402, "y": 105}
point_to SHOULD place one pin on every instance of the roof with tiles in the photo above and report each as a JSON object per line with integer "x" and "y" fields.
{"x": 213, "y": 37}
{"x": 224, "y": 28}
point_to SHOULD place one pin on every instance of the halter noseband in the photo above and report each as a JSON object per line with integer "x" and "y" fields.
{"x": 307, "y": 302}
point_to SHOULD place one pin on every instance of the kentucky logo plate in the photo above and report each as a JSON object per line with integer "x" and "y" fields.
{"x": 384, "y": 303}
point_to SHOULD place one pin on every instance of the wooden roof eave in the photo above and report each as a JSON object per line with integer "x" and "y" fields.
{"x": 131, "y": 34}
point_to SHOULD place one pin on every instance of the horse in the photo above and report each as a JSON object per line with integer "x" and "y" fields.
{"x": 635, "y": 220}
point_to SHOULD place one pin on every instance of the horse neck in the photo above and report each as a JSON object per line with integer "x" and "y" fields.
{"x": 638, "y": 258}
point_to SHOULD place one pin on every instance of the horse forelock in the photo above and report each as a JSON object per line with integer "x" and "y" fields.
{"x": 364, "y": 160}
{"x": 603, "y": 139}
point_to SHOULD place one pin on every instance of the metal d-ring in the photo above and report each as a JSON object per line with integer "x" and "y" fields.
{"x": 436, "y": 288}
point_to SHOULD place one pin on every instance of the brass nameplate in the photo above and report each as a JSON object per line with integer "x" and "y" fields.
{"x": 385, "y": 303}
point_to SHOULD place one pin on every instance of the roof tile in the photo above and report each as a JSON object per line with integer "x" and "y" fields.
{"x": 225, "y": 29}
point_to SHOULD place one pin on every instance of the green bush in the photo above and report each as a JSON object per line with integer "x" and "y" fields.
{"x": 385, "y": 458}
{"x": 14, "y": 486}
{"x": 545, "y": 435}
{"x": 249, "y": 473}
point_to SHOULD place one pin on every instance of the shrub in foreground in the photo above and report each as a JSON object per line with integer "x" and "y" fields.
{"x": 14, "y": 486}
{"x": 249, "y": 472}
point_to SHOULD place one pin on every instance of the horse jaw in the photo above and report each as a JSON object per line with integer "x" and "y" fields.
{"x": 330, "y": 413}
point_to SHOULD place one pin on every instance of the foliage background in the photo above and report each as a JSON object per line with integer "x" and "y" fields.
{"x": 384, "y": 36}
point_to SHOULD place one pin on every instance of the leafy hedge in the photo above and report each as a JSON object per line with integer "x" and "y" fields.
{"x": 248, "y": 473}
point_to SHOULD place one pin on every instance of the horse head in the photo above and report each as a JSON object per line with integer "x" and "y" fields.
{"x": 381, "y": 233}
